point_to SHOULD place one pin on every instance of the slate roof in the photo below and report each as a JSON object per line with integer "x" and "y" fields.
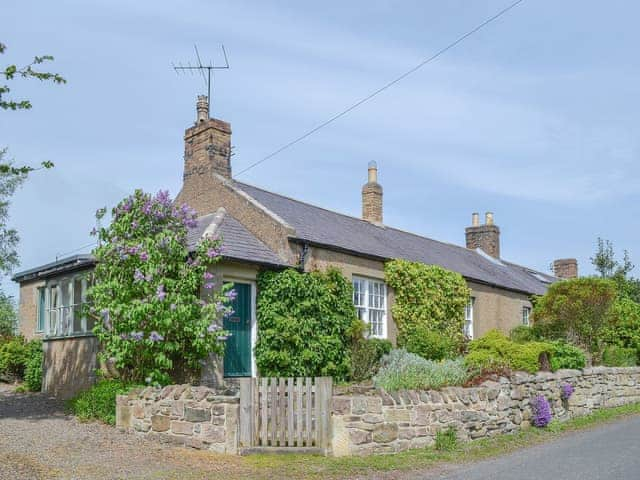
{"x": 237, "y": 242}
{"x": 335, "y": 230}
{"x": 64, "y": 265}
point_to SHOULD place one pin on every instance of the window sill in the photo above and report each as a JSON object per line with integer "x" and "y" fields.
{"x": 65, "y": 337}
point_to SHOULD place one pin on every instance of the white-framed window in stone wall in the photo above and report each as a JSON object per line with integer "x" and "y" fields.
{"x": 41, "y": 309}
{"x": 370, "y": 300}
{"x": 64, "y": 299}
{"x": 526, "y": 313}
{"x": 468, "y": 318}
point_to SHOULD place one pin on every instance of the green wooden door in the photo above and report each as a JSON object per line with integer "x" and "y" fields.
{"x": 237, "y": 356}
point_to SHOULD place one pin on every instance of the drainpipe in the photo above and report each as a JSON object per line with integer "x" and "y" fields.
{"x": 303, "y": 256}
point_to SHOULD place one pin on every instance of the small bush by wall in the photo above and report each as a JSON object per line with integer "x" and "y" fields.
{"x": 304, "y": 324}
{"x": 99, "y": 402}
{"x": 402, "y": 370}
{"x": 565, "y": 355}
{"x": 615, "y": 356}
{"x": 33, "y": 366}
{"x": 365, "y": 357}
{"x": 427, "y": 297}
{"x": 430, "y": 344}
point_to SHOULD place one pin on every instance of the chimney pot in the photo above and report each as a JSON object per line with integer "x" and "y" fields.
{"x": 202, "y": 109}
{"x": 475, "y": 219}
{"x": 488, "y": 218}
{"x": 372, "y": 196}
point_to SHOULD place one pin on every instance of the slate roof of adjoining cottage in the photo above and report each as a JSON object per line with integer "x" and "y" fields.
{"x": 335, "y": 230}
{"x": 237, "y": 242}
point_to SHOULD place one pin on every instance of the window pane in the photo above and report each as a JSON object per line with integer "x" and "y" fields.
{"x": 41, "y": 309}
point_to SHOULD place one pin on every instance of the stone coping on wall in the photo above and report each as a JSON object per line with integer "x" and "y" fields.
{"x": 198, "y": 417}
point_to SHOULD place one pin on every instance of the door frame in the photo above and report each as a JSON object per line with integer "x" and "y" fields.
{"x": 254, "y": 332}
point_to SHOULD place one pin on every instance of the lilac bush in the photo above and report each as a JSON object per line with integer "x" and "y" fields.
{"x": 566, "y": 390}
{"x": 541, "y": 411}
{"x": 150, "y": 317}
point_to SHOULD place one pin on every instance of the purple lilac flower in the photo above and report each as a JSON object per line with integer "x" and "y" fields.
{"x": 172, "y": 306}
{"x": 106, "y": 319}
{"x": 155, "y": 337}
{"x": 144, "y": 256}
{"x": 137, "y": 336}
{"x": 208, "y": 275}
{"x": 566, "y": 391}
{"x": 541, "y": 411}
{"x": 123, "y": 256}
{"x": 160, "y": 293}
{"x": 162, "y": 197}
{"x": 220, "y": 306}
{"x": 213, "y": 252}
{"x": 209, "y": 285}
{"x": 124, "y": 336}
{"x": 202, "y": 303}
{"x": 94, "y": 232}
{"x": 146, "y": 208}
{"x": 231, "y": 294}
{"x": 213, "y": 327}
{"x": 134, "y": 224}
{"x": 138, "y": 275}
{"x": 222, "y": 338}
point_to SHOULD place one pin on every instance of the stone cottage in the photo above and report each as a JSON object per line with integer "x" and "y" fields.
{"x": 262, "y": 229}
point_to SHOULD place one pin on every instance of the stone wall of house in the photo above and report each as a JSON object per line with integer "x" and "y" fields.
{"x": 28, "y": 309}
{"x": 69, "y": 366}
{"x": 198, "y": 417}
{"x": 367, "y": 421}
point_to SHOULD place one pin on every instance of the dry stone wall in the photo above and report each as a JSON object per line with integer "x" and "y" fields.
{"x": 367, "y": 421}
{"x": 198, "y": 417}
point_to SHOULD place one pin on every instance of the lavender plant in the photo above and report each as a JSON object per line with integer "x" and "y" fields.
{"x": 541, "y": 411}
{"x": 151, "y": 319}
{"x": 566, "y": 390}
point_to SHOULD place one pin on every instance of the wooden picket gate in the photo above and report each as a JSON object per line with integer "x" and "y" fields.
{"x": 285, "y": 414}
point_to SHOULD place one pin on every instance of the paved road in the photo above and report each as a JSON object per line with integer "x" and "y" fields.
{"x": 608, "y": 452}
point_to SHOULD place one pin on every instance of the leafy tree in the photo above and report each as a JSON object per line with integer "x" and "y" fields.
{"x": 305, "y": 324}
{"x": 577, "y": 310}
{"x": 8, "y": 316}
{"x": 427, "y": 297}
{"x": 152, "y": 321}
{"x": 606, "y": 264}
{"x": 13, "y": 72}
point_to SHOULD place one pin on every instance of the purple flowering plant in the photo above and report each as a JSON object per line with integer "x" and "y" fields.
{"x": 566, "y": 390}
{"x": 541, "y": 411}
{"x": 150, "y": 317}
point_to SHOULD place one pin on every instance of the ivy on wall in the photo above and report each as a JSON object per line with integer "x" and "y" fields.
{"x": 305, "y": 323}
{"x": 427, "y": 298}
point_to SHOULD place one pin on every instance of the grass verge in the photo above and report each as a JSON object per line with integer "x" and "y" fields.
{"x": 316, "y": 467}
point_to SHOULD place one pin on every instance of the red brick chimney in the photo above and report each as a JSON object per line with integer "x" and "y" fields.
{"x": 485, "y": 237}
{"x": 565, "y": 268}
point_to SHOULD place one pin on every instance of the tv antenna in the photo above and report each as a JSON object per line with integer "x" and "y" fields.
{"x": 202, "y": 68}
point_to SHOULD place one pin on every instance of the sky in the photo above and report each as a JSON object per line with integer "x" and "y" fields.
{"x": 535, "y": 118}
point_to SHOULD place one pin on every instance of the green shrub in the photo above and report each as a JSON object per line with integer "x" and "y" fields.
{"x": 429, "y": 344}
{"x": 624, "y": 327}
{"x": 13, "y": 358}
{"x": 33, "y": 366}
{"x": 365, "y": 357}
{"x": 615, "y": 356}
{"x": 523, "y": 334}
{"x": 496, "y": 351}
{"x": 427, "y": 297}
{"x": 446, "y": 440}
{"x": 577, "y": 310}
{"x": 401, "y": 370}
{"x": 565, "y": 355}
{"x": 305, "y": 324}
{"x": 99, "y": 402}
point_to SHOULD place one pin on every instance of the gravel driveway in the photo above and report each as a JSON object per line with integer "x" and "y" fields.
{"x": 38, "y": 441}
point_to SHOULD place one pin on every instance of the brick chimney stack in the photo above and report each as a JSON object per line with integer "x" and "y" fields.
{"x": 372, "y": 196}
{"x": 485, "y": 237}
{"x": 207, "y": 145}
{"x": 565, "y": 268}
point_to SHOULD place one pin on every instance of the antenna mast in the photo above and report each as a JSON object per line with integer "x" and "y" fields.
{"x": 201, "y": 68}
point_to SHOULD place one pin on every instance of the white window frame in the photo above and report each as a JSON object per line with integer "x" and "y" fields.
{"x": 364, "y": 302}
{"x": 468, "y": 318}
{"x": 41, "y": 309}
{"x": 54, "y": 326}
{"x": 526, "y": 315}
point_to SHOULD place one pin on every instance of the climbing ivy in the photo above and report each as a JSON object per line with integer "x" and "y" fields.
{"x": 305, "y": 323}
{"x": 427, "y": 297}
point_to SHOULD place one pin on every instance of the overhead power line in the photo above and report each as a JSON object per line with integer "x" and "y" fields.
{"x": 383, "y": 88}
